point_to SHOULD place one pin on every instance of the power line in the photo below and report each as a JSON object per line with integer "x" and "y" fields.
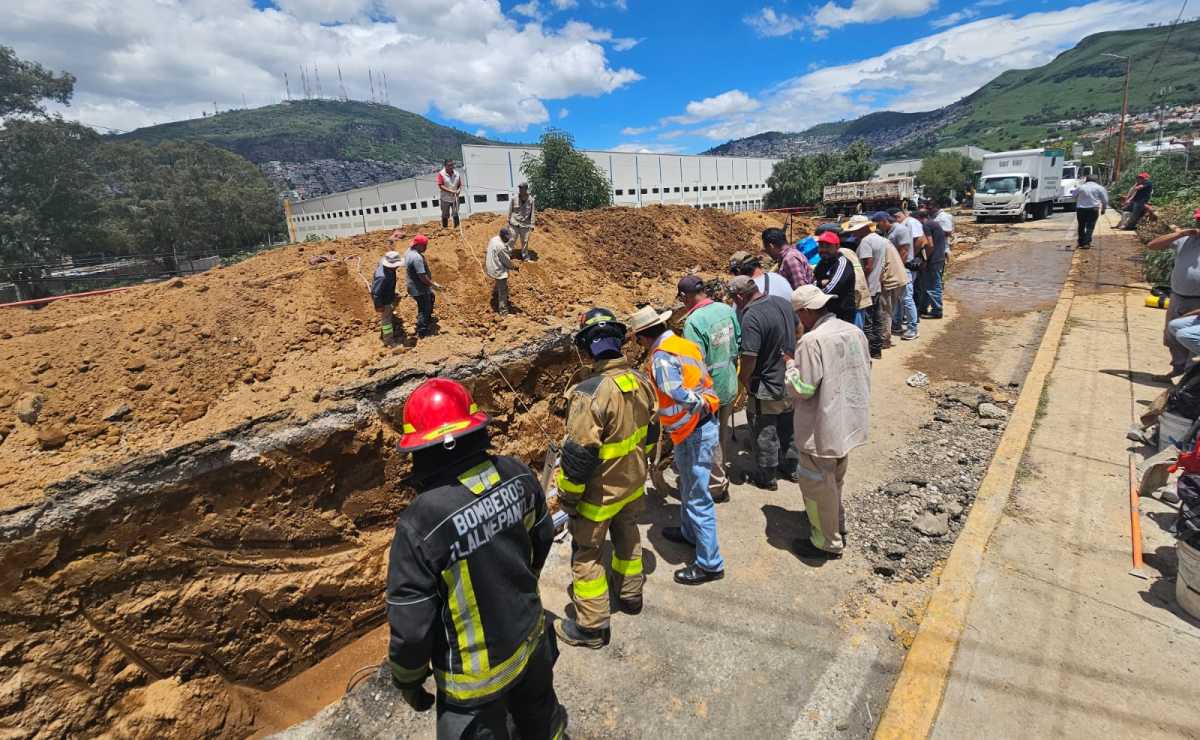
{"x": 1166, "y": 41}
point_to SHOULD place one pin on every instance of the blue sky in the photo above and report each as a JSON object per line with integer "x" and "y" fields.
{"x": 661, "y": 75}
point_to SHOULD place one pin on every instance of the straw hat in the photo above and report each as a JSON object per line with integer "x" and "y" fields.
{"x": 646, "y": 317}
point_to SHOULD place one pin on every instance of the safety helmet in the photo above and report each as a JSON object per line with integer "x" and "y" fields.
{"x": 598, "y": 322}
{"x": 439, "y": 411}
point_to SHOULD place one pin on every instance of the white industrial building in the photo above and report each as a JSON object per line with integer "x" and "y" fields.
{"x": 492, "y": 174}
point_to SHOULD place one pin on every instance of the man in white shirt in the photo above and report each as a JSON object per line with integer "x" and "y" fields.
{"x": 450, "y": 184}
{"x": 1091, "y": 202}
{"x": 497, "y": 263}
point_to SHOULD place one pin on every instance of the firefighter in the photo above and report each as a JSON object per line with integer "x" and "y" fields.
{"x": 601, "y": 479}
{"x": 463, "y": 578}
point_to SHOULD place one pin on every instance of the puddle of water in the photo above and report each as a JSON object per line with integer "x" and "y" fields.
{"x": 1017, "y": 277}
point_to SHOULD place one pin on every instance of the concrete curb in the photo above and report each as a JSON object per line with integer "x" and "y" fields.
{"x": 913, "y": 705}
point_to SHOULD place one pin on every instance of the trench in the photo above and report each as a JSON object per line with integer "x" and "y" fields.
{"x": 159, "y": 597}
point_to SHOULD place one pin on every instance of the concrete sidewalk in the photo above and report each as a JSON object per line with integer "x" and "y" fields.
{"x": 1060, "y": 640}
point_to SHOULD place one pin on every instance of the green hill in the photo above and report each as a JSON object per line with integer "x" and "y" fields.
{"x": 1021, "y": 107}
{"x": 308, "y": 130}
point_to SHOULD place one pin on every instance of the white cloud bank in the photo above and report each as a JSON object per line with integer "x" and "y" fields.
{"x": 149, "y": 61}
{"x": 925, "y": 74}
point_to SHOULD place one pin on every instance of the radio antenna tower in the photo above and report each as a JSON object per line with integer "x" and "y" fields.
{"x": 317, "y": 75}
{"x": 342, "y": 85}
{"x": 387, "y": 99}
{"x": 287, "y": 88}
{"x": 371, "y": 82}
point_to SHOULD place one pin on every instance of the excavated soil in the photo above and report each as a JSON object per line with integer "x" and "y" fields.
{"x": 229, "y": 526}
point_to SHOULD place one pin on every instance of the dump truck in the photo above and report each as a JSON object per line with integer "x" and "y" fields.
{"x": 869, "y": 195}
{"x": 1019, "y": 183}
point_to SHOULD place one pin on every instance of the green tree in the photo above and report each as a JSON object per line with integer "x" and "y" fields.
{"x": 561, "y": 177}
{"x": 49, "y": 192}
{"x": 189, "y": 197}
{"x": 801, "y": 180}
{"x": 944, "y": 172}
{"x": 24, "y": 85}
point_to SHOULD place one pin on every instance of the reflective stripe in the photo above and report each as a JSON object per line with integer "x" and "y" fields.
{"x": 463, "y": 686}
{"x": 678, "y": 423}
{"x": 408, "y": 675}
{"x": 627, "y": 567}
{"x": 528, "y": 520}
{"x": 600, "y": 513}
{"x": 566, "y": 484}
{"x": 480, "y": 478}
{"x": 613, "y": 450}
{"x": 592, "y": 589}
{"x": 444, "y": 429}
{"x": 386, "y": 328}
{"x": 464, "y": 611}
{"x": 409, "y": 428}
{"x": 650, "y": 447}
{"x": 627, "y": 382}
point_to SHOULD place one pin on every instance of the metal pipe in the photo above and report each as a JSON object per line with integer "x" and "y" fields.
{"x": 51, "y": 299}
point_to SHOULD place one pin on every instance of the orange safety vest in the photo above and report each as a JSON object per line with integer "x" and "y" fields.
{"x": 675, "y": 419}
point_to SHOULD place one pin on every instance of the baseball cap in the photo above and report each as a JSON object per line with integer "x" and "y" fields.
{"x": 1196, "y": 215}
{"x": 881, "y": 216}
{"x": 739, "y": 258}
{"x": 829, "y": 237}
{"x": 420, "y": 240}
{"x": 1143, "y": 175}
{"x": 810, "y": 297}
{"x": 690, "y": 284}
{"x": 742, "y": 285}
{"x": 835, "y": 228}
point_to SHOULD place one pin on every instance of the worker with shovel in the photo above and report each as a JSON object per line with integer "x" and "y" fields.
{"x": 602, "y": 477}
{"x": 383, "y": 291}
{"x": 462, "y": 586}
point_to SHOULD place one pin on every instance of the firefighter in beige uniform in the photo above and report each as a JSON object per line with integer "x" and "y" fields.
{"x": 611, "y": 423}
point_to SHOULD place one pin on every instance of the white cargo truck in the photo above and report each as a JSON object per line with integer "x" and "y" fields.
{"x": 1017, "y": 184}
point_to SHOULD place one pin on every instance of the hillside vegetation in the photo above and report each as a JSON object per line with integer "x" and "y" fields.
{"x": 308, "y": 130}
{"x": 1019, "y": 107}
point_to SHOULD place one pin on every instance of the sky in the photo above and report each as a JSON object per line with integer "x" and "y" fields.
{"x": 629, "y": 75}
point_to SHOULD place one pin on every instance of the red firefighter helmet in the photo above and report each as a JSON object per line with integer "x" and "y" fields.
{"x": 439, "y": 411}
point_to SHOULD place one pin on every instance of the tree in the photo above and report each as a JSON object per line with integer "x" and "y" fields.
{"x": 801, "y": 180}
{"x": 24, "y": 85}
{"x": 49, "y": 192}
{"x": 945, "y": 172}
{"x": 561, "y": 177}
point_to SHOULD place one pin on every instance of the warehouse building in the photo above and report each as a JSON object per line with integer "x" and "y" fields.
{"x": 492, "y": 174}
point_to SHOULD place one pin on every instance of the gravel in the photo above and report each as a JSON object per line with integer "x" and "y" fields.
{"x": 907, "y": 525}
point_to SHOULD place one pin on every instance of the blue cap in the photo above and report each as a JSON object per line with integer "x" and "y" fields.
{"x": 881, "y": 216}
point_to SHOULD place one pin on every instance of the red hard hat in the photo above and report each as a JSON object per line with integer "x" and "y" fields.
{"x": 439, "y": 411}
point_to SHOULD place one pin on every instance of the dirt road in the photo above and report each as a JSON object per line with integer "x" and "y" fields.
{"x": 780, "y": 648}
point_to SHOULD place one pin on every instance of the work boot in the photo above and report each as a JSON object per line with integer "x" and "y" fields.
{"x": 569, "y": 631}
{"x": 631, "y": 606}
{"x": 760, "y": 479}
{"x": 694, "y": 575}
{"x": 806, "y": 549}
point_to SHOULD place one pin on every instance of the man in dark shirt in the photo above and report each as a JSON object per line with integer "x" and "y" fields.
{"x": 835, "y": 276}
{"x": 1137, "y": 200}
{"x": 933, "y": 265}
{"x": 383, "y": 291}
{"x": 768, "y": 337}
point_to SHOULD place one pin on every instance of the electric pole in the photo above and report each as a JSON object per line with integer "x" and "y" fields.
{"x": 1124, "y": 111}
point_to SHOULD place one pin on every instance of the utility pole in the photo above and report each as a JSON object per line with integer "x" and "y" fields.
{"x": 1124, "y": 111}
{"x": 371, "y": 82}
{"x": 287, "y": 87}
{"x": 342, "y": 85}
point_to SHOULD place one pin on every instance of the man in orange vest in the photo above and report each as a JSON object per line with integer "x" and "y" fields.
{"x": 687, "y": 410}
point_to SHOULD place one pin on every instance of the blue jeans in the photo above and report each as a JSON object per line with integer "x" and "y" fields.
{"x": 1186, "y": 330}
{"x": 929, "y": 283}
{"x": 860, "y": 318}
{"x": 424, "y": 314}
{"x": 906, "y": 310}
{"x": 697, "y": 514}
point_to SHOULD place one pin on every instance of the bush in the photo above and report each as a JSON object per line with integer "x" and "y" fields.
{"x": 800, "y": 181}
{"x": 561, "y": 177}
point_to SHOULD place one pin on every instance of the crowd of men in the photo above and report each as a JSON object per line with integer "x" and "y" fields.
{"x": 793, "y": 347}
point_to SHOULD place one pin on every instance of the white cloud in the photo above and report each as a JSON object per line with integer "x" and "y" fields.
{"x": 481, "y": 133}
{"x": 933, "y": 71}
{"x": 832, "y": 15}
{"x": 564, "y": 4}
{"x": 150, "y": 61}
{"x": 954, "y": 18}
{"x": 768, "y": 22}
{"x": 669, "y": 135}
{"x": 625, "y": 44}
{"x": 636, "y": 130}
{"x": 636, "y": 148}
{"x": 531, "y": 9}
{"x": 727, "y": 103}
{"x": 563, "y": 113}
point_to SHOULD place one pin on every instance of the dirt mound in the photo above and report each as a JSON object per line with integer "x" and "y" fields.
{"x": 154, "y": 367}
